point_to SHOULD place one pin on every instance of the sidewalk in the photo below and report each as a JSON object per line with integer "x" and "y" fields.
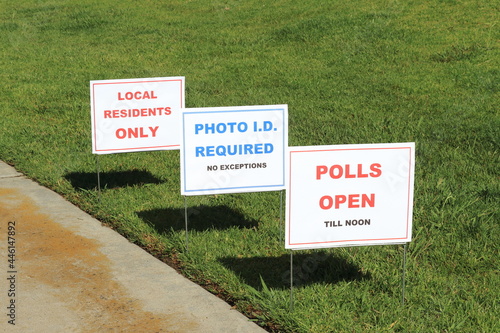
{"x": 67, "y": 273}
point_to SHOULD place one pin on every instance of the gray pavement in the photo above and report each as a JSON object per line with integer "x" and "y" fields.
{"x": 62, "y": 271}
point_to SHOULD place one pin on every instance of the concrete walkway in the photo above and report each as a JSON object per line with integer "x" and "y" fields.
{"x": 62, "y": 271}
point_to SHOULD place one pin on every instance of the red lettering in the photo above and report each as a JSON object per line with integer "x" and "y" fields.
{"x": 332, "y": 171}
{"x": 153, "y": 131}
{"x": 338, "y": 171}
{"x": 136, "y": 132}
{"x": 121, "y": 133}
{"x": 352, "y": 201}
{"x": 321, "y": 170}
{"x": 167, "y": 110}
{"x": 137, "y": 95}
{"x": 107, "y": 114}
{"x": 360, "y": 172}
{"x": 133, "y": 132}
{"x": 328, "y": 204}
{"x": 376, "y": 168}
{"x": 368, "y": 201}
{"x": 339, "y": 199}
{"x": 347, "y": 174}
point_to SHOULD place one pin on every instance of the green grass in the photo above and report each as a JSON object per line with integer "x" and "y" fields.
{"x": 351, "y": 72}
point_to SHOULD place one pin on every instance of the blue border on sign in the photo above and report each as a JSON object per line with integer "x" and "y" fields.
{"x": 239, "y": 187}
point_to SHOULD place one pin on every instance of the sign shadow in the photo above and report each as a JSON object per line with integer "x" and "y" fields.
{"x": 111, "y": 179}
{"x": 317, "y": 267}
{"x": 200, "y": 218}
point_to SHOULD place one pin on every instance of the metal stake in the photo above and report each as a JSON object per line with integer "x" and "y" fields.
{"x": 282, "y": 233}
{"x": 403, "y": 275}
{"x": 186, "y": 222}
{"x": 98, "y": 180}
{"x": 291, "y": 280}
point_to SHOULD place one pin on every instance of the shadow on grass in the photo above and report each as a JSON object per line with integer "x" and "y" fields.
{"x": 111, "y": 179}
{"x": 318, "y": 267}
{"x": 200, "y": 218}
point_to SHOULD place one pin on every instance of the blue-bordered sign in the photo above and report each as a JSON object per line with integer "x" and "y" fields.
{"x": 233, "y": 149}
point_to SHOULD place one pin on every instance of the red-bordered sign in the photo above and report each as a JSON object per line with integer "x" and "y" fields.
{"x": 136, "y": 114}
{"x": 349, "y": 195}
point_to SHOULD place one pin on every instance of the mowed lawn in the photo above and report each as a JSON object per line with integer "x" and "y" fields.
{"x": 351, "y": 72}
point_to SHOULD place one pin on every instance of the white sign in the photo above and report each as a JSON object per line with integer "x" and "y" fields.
{"x": 136, "y": 114}
{"x": 349, "y": 195}
{"x": 233, "y": 149}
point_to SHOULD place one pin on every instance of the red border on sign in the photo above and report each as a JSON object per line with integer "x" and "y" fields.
{"x": 408, "y": 217}
{"x": 125, "y": 82}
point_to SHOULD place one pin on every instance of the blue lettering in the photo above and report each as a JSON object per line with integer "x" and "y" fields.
{"x": 241, "y": 149}
{"x": 221, "y": 128}
{"x": 268, "y": 126}
{"x": 232, "y": 152}
{"x": 209, "y": 127}
{"x": 210, "y": 151}
{"x": 231, "y": 127}
{"x": 200, "y": 151}
{"x": 242, "y": 127}
{"x": 248, "y": 149}
{"x": 221, "y": 150}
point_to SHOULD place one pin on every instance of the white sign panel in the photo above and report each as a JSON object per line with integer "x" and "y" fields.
{"x": 136, "y": 114}
{"x": 349, "y": 195}
{"x": 233, "y": 149}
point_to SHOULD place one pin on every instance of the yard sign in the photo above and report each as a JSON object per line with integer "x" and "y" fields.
{"x": 233, "y": 149}
{"x": 136, "y": 114}
{"x": 349, "y": 195}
